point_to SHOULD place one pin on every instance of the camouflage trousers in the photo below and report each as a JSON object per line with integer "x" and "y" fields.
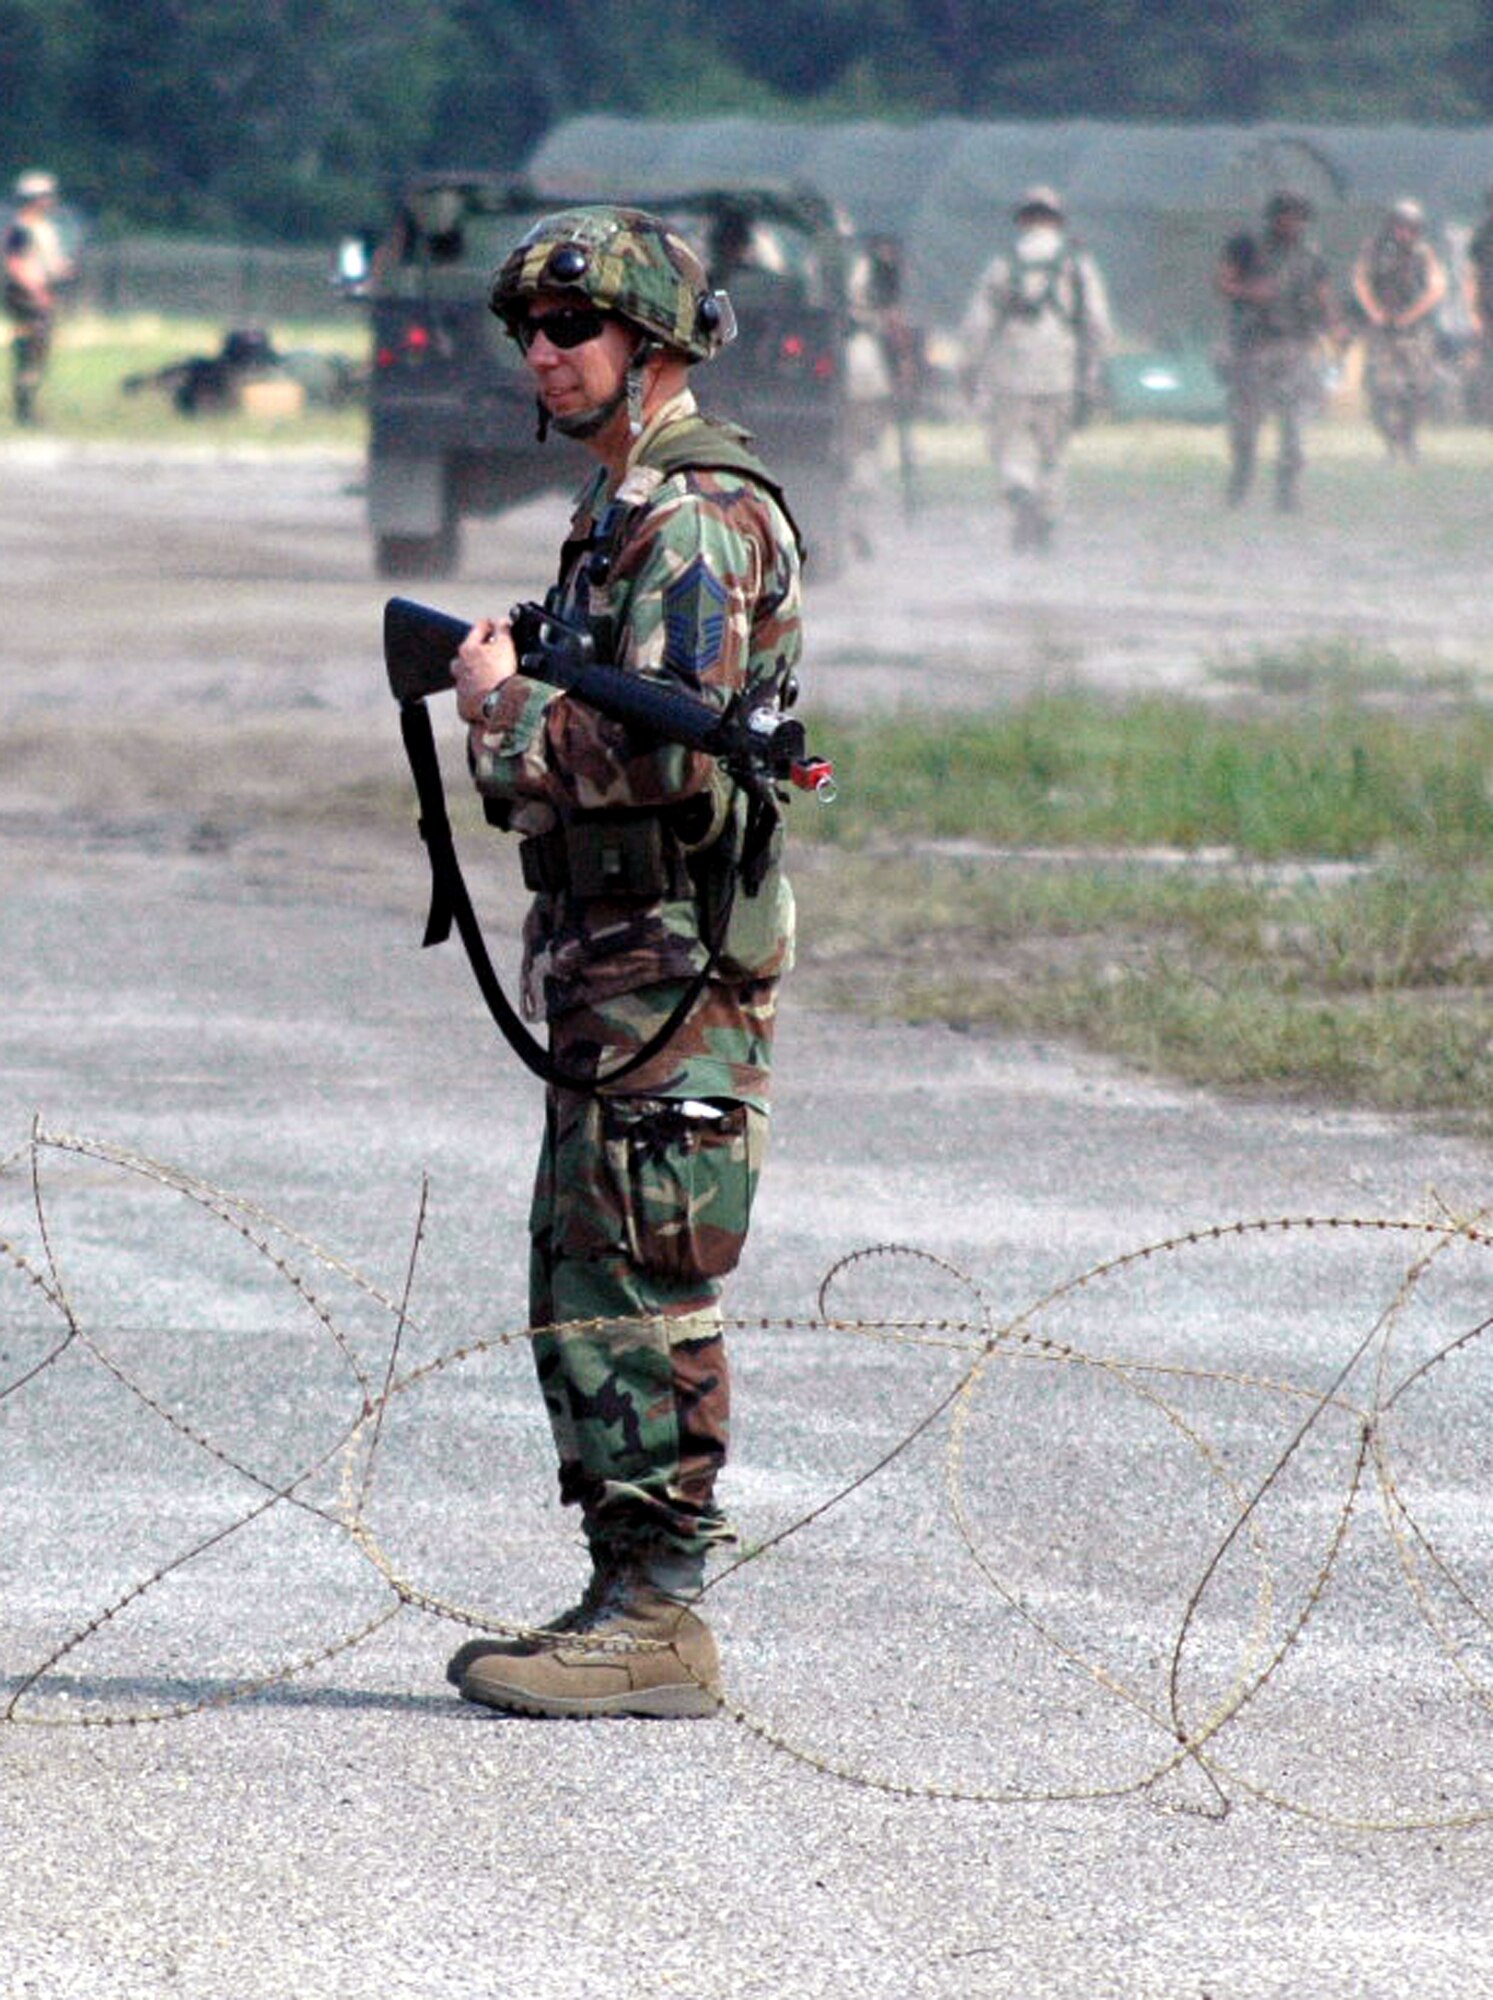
{"x": 1399, "y": 374}
{"x": 1275, "y": 378}
{"x": 31, "y": 350}
{"x": 640, "y": 1210}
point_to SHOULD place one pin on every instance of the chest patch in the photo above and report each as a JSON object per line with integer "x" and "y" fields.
{"x": 694, "y": 621}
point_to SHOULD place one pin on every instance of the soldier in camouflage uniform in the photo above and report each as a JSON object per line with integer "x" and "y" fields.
{"x": 1399, "y": 281}
{"x": 35, "y": 264}
{"x": 1281, "y": 305}
{"x": 684, "y": 564}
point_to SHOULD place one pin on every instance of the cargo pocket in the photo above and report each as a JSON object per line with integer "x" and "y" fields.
{"x": 759, "y": 937}
{"x": 684, "y": 1173}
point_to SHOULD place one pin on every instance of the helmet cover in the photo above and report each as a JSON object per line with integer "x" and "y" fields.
{"x": 623, "y": 261}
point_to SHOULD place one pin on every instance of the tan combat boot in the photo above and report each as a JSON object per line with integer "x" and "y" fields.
{"x": 638, "y": 1652}
{"x": 569, "y": 1620}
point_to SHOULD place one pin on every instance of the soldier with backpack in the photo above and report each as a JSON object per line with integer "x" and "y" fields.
{"x": 1035, "y": 337}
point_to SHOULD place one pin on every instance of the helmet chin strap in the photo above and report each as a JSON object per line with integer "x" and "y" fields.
{"x": 632, "y": 386}
{"x": 586, "y": 423}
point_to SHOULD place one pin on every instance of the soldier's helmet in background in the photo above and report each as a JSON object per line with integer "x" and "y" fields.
{"x": 1040, "y": 200}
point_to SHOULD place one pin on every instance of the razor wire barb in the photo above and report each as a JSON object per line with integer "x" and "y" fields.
{"x": 979, "y": 1343}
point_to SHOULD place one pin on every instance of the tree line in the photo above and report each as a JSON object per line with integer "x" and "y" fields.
{"x": 291, "y": 119}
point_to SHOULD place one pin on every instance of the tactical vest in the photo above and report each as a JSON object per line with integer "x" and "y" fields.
{"x": 1398, "y": 274}
{"x": 644, "y": 853}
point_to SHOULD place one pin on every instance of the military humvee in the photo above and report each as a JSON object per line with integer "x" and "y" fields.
{"x": 452, "y": 429}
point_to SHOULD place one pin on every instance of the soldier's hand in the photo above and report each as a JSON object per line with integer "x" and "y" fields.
{"x": 484, "y": 660}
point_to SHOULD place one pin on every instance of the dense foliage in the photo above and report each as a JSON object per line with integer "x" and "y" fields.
{"x": 290, "y": 117}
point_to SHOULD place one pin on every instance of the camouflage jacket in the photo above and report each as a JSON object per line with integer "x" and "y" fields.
{"x": 1296, "y": 308}
{"x": 1397, "y": 275}
{"x": 698, "y": 587}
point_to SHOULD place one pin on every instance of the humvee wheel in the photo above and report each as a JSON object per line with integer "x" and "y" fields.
{"x": 418, "y": 555}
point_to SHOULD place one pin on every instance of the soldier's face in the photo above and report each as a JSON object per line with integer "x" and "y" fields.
{"x": 572, "y": 380}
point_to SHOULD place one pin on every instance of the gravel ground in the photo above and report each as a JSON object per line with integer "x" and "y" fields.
{"x": 997, "y": 1584}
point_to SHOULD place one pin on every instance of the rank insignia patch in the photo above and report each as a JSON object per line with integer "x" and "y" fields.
{"x": 694, "y": 621}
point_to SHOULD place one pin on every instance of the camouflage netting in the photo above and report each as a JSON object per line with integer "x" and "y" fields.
{"x": 1152, "y": 202}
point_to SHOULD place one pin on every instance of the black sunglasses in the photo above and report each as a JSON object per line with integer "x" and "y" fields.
{"x": 566, "y": 327}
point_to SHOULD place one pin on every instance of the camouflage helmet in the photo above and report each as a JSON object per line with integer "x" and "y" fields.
{"x": 624, "y": 262}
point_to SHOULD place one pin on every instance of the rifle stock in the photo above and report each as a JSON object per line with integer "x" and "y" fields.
{"x": 418, "y": 648}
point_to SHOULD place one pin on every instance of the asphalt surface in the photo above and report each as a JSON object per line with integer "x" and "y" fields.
{"x": 1231, "y": 1491}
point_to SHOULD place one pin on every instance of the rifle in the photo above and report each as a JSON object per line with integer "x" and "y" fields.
{"x": 755, "y": 741}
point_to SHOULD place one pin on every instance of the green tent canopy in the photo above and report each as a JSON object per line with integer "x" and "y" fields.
{"x": 1152, "y": 202}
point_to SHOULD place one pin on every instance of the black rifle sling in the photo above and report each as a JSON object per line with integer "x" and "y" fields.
{"x": 450, "y": 903}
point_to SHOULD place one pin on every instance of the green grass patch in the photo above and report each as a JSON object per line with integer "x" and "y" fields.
{"x": 1296, "y": 905}
{"x": 1327, "y": 780}
{"x": 1375, "y": 991}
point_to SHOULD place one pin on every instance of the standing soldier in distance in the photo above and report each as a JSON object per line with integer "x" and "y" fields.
{"x": 1478, "y": 294}
{"x": 1035, "y": 337}
{"x": 1281, "y": 305}
{"x": 1399, "y": 281}
{"x": 684, "y": 566}
{"x": 882, "y": 371}
{"x": 35, "y": 264}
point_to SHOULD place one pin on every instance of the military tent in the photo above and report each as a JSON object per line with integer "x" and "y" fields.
{"x": 1153, "y": 202}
